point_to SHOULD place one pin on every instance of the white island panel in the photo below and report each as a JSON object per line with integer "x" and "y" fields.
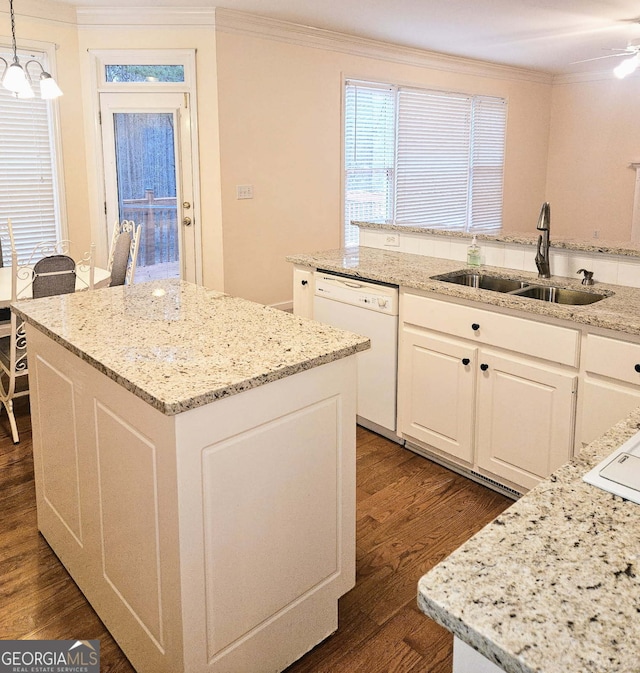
{"x": 216, "y": 540}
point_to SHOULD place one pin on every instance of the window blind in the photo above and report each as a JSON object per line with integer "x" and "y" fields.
{"x": 486, "y": 169}
{"x": 433, "y": 158}
{"x": 434, "y": 143}
{"x": 27, "y": 177}
{"x": 369, "y": 148}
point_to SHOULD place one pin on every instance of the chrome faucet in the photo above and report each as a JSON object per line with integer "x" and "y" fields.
{"x": 542, "y": 256}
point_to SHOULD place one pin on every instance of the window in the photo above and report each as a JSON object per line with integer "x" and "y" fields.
{"x": 429, "y": 158}
{"x": 28, "y": 190}
{"x": 144, "y": 73}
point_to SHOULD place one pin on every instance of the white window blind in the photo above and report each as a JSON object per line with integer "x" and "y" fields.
{"x": 369, "y": 155}
{"x": 434, "y": 143}
{"x": 27, "y": 177}
{"x": 448, "y": 158}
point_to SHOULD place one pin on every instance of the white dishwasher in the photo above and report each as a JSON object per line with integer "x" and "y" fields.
{"x": 370, "y": 309}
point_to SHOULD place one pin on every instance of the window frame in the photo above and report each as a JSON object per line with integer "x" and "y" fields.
{"x": 44, "y": 52}
{"x": 398, "y": 89}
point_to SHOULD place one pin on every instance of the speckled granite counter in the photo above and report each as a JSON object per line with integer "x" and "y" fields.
{"x": 179, "y": 346}
{"x": 620, "y": 311}
{"x": 553, "y": 583}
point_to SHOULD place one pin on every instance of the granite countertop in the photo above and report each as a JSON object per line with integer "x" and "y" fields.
{"x": 620, "y": 311}
{"x": 553, "y": 583}
{"x": 179, "y": 346}
{"x": 612, "y": 247}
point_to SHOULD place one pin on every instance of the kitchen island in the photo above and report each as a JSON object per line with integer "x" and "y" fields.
{"x": 552, "y": 584}
{"x": 195, "y": 470}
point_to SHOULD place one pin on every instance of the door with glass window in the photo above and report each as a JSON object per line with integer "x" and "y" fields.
{"x": 148, "y": 179}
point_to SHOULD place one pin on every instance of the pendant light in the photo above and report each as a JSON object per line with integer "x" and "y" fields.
{"x": 16, "y": 78}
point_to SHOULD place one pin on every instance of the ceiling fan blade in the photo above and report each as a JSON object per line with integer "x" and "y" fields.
{"x": 598, "y": 58}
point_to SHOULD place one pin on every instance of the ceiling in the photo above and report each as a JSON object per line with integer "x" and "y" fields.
{"x": 546, "y": 35}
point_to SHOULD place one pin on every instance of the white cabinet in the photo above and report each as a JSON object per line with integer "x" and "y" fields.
{"x": 610, "y": 384}
{"x": 303, "y": 290}
{"x": 525, "y": 418}
{"x": 437, "y": 392}
{"x": 487, "y": 391}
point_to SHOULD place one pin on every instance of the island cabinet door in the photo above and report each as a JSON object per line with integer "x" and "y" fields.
{"x": 266, "y": 485}
{"x": 526, "y": 418}
{"x": 437, "y": 392}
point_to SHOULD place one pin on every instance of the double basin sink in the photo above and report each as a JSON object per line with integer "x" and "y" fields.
{"x": 522, "y": 288}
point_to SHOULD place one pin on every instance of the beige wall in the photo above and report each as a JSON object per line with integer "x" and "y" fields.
{"x": 270, "y": 116}
{"x": 280, "y": 130}
{"x": 595, "y": 135}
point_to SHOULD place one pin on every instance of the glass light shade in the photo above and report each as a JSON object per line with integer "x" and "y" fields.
{"x": 49, "y": 89}
{"x": 26, "y": 92}
{"x": 15, "y": 78}
{"x": 627, "y": 66}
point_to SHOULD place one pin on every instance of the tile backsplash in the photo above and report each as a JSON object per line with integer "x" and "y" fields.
{"x": 607, "y": 268}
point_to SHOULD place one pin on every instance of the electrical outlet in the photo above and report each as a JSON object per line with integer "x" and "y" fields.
{"x": 392, "y": 239}
{"x": 244, "y": 191}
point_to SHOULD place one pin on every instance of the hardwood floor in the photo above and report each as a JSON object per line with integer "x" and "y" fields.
{"x": 411, "y": 514}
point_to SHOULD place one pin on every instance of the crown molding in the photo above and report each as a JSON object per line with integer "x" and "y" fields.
{"x": 232, "y": 21}
{"x": 580, "y": 77}
{"x": 44, "y": 11}
{"x": 96, "y": 17}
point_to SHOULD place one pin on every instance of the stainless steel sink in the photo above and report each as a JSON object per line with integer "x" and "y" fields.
{"x": 482, "y": 281}
{"x": 559, "y": 295}
{"x": 522, "y": 288}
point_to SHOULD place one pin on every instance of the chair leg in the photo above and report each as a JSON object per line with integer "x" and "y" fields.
{"x": 8, "y": 405}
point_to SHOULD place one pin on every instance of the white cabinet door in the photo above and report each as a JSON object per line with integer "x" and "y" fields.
{"x": 604, "y": 403}
{"x": 526, "y": 418}
{"x": 436, "y": 392}
{"x": 303, "y": 291}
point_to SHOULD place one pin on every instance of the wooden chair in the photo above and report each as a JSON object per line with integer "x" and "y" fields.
{"x": 123, "y": 254}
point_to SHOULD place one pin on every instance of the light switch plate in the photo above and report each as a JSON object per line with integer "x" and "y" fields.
{"x": 244, "y": 191}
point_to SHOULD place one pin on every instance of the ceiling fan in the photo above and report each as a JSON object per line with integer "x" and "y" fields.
{"x": 630, "y": 53}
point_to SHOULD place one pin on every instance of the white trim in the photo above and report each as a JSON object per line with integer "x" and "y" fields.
{"x": 90, "y": 17}
{"x": 186, "y": 57}
{"x": 232, "y": 21}
{"x": 595, "y": 76}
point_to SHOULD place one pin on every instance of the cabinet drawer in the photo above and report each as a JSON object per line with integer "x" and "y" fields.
{"x": 613, "y": 358}
{"x": 536, "y": 339}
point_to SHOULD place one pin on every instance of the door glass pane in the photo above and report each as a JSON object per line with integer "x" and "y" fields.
{"x": 144, "y": 73}
{"x": 146, "y": 173}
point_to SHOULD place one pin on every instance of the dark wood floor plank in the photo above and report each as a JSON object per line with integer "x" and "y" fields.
{"x": 411, "y": 513}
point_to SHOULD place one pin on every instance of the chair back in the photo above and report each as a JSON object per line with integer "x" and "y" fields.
{"x": 54, "y": 275}
{"x": 124, "y": 252}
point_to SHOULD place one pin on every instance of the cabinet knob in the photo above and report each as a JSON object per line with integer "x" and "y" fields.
{"x": 475, "y": 327}
{"x": 304, "y": 282}
{"x": 465, "y": 361}
{"x": 637, "y": 368}
{"x": 484, "y": 367}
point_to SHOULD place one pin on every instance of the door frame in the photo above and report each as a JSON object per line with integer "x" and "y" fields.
{"x": 185, "y": 57}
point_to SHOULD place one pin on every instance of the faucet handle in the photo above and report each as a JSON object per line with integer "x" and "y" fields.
{"x": 588, "y": 276}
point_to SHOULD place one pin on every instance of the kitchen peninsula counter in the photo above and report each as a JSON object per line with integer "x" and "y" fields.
{"x": 194, "y": 460}
{"x": 619, "y": 311}
{"x": 553, "y": 583}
